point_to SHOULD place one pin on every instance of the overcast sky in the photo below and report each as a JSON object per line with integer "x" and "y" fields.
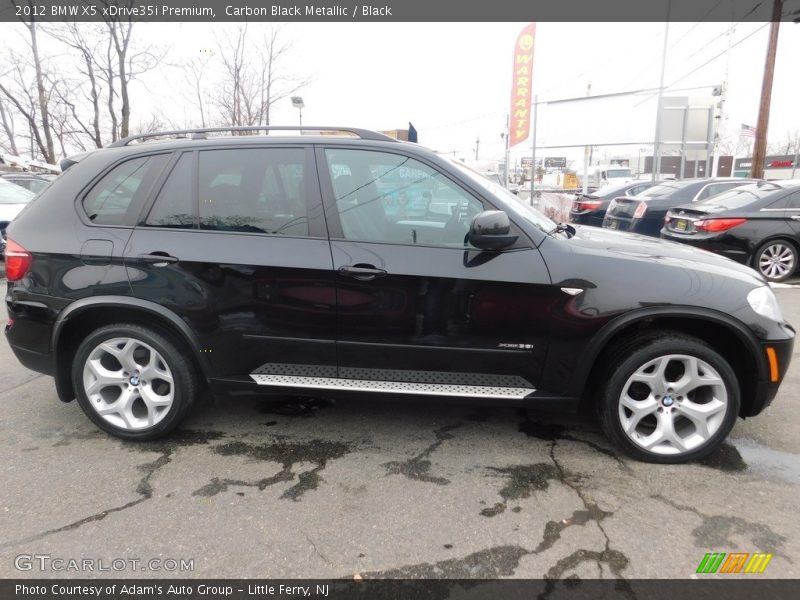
{"x": 452, "y": 80}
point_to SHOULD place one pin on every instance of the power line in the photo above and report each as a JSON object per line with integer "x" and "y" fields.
{"x": 710, "y": 60}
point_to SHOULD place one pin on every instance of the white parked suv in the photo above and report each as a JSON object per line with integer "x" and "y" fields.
{"x": 13, "y": 199}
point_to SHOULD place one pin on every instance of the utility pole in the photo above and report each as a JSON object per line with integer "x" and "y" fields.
{"x": 507, "y": 138}
{"x": 760, "y": 144}
{"x": 586, "y": 159}
{"x": 533, "y": 145}
{"x": 657, "y": 144}
{"x": 713, "y": 171}
{"x": 477, "y": 146}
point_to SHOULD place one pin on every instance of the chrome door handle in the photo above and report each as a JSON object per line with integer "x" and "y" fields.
{"x": 157, "y": 259}
{"x": 795, "y": 217}
{"x": 362, "y": 272}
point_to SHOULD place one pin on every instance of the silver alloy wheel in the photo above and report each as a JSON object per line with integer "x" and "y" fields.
{"x": 673, "y": 404}
{"x": 777, "y": 261}
{"x": 128, "y": 383}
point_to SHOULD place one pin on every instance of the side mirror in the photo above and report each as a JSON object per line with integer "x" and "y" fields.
{"x": 491, "y": 230}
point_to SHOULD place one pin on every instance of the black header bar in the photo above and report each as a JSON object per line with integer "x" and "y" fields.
{"x": 734, "y": 587}
{"x": 397, "y": 10}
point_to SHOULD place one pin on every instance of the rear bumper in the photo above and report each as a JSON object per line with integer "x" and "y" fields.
{"x": 593, "y": 218}
{"x": 35, "y": 361}
{"x": 651, "y": 227}
{"x": 711, "y": 244}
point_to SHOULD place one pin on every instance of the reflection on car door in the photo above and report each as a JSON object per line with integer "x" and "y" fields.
{"x": 235, "y": 243}
{"x": 416, "y": 305}
{"x": 793, "y": 213}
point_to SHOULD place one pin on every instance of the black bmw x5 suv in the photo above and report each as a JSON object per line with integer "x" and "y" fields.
{"x": 341, "y": 264}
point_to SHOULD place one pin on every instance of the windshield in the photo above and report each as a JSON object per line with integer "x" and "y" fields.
{"x": 618, "y": 173}
{"x": 512, "y": 202}
{"x": 11, "y": 193}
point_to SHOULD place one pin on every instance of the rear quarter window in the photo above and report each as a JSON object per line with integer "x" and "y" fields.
{"x": 117, "y": 197}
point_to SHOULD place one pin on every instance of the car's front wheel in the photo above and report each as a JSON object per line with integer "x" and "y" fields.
{"x": 670, "y": 398}
{"x": 133, "y": 382}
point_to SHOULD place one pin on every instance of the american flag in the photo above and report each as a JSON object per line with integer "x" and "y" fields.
{"x": 747, "y": 131}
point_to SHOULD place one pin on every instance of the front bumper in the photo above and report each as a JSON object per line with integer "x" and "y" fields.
{"x": 767, "y": 389}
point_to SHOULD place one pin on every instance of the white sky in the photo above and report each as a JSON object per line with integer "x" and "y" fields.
{"x": 452, "y": 80}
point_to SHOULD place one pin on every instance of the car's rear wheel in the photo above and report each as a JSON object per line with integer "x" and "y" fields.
{"x": 133, "y": 382}
{"x": 670, "y": 398}
{"x": 776, "y": 260}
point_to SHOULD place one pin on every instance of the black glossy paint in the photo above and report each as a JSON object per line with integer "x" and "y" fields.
{"x": 772, "y": 215}
{"x": 594, "y": 215}
{"x": 397, "y": 311}
{"x": 621, "y": 214}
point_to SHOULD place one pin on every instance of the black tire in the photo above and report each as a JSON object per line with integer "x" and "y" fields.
{"x": 184, "y": 379}
{"x": 792, "y": 252}
{"x": 627, "y": 358}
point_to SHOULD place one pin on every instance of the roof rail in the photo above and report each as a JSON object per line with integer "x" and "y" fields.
{"x": 200, "y": 134}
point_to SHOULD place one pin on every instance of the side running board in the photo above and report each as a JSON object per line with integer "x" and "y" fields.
{"x": 392, "y": 387}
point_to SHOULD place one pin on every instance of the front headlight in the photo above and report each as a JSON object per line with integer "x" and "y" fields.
{"x": 763, "y": 301}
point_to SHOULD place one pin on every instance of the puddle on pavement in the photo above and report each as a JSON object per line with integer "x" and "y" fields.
{"x": 744, "y": 455}
{"x": 522, "y": 481}
{"x": 316, "y": 452}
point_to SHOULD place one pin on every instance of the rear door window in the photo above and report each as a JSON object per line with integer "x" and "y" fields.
{"x": 716, "y": 188}
{"x": 174, "y": 206}
{"x": 117, "y": 198}
{"x": 793, "y": 202}
{"x": 253, "y": 190}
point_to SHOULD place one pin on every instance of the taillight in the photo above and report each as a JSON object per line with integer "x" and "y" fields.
{"x": 640, "y": 210}
{"x": 589, "y": 204}
{"x": 18, "y": 261}
{"x": 716, "y": 225}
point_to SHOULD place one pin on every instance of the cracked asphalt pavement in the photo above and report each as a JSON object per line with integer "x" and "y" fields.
{"x": 287, "y": 487}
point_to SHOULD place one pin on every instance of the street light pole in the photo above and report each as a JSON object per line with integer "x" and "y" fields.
{"x": 297, "y": 102}
{"x": 660, "y": 104}
{"x": 533, "y": 144}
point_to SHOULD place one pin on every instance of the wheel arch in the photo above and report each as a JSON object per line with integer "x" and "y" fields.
{"x": 732, "y": 339}
{"x": 86, "y": 315}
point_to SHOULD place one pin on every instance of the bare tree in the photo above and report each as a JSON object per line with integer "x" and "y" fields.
{"x": 252, "y": 78}
{"x": 86, "y": 41}
{"x": 32, "y": 101}
{"x": 785, "y": 145}
{"x": 195, "y": 72}
{"x": 8, "y": 128}
{"x": 277, "y": 85}
{"x": 123, "y": 62}
{"x": 154, "y": 123}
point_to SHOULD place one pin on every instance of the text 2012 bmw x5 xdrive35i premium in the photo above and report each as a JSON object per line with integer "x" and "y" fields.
{"x": 325, "y": 264}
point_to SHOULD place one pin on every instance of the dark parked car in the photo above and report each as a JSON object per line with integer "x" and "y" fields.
{"x": 30, "y": 181}
{"x": 590, "y": 209}
{"x": 757, "y": 225}
{"x": 645, "y": 213}
{"x": 289, "y": 264}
